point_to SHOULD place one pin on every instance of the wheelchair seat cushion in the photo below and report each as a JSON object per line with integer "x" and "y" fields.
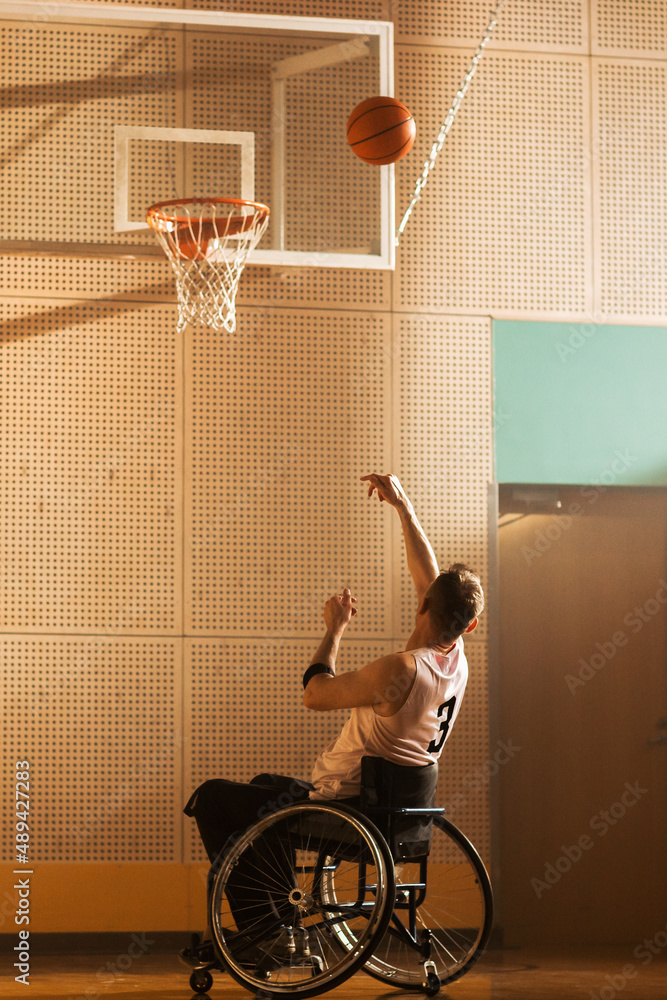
{"x": 385, "y": 785}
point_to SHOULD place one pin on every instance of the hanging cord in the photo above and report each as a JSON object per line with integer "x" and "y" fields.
{"x": 447, "y": 124}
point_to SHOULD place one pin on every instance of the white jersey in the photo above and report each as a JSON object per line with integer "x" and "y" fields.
{"x": 414, "y": 736}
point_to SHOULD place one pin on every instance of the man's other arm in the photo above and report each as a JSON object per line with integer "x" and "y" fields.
{"x": 384, "y": 684}
{"x": 422, "y": 563}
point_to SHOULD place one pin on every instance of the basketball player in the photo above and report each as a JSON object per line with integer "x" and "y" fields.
{"x": 403, "y": 705}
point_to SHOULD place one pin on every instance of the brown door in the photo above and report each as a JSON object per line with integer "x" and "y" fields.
{"x": 583, "y": 692}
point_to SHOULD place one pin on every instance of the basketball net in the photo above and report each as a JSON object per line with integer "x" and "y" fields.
{"x": 207, "y": 241}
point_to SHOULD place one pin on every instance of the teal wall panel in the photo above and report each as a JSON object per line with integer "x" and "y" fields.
{"x": 580, "y": 403}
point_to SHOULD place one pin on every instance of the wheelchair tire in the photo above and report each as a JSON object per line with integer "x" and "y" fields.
{"x": 304, "y": 870}
{"x": 457, "y": 908}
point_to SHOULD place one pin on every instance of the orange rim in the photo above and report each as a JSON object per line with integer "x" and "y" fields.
{"x": 233, "y": 224}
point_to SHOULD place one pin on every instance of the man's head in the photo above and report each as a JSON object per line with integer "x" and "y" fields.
{"x": 453, "y": 603}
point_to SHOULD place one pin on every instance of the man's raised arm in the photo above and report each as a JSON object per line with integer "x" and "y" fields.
{"x": 422, "y": 563}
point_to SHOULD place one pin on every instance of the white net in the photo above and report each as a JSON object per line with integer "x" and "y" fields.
{"x": 207, "y": 241}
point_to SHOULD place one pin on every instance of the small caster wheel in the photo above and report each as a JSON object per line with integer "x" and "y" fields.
{"x": 201, "y": 981}
{"x": 317, "y": 965}
{"x": 432, "y": 985}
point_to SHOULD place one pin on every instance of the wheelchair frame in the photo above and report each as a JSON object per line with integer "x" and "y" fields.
{"x": 338, "y": 901}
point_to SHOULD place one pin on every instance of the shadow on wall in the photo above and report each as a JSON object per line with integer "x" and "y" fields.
{"x": 78, "y": 314}
{"x": 108, "y": 83}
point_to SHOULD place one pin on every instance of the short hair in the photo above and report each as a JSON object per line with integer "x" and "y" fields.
{"x": 455, "y": 599}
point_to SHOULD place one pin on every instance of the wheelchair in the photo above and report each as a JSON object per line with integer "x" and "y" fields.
{"x": 318, "y": 890}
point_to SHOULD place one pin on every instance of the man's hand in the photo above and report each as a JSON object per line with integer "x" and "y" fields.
{"x": 338, "y": 611}
{"x": 388, "y": 489}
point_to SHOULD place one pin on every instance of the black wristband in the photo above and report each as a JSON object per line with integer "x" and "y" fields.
{"x": 316, "y": 668}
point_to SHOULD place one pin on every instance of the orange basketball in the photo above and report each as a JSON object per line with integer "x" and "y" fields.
{"x": 381, "y": 130}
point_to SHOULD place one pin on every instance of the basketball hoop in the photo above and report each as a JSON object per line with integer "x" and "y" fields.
{"x": 207, "y": 241}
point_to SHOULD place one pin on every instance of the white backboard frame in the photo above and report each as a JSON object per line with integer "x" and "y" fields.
{"x": 124, "y": 134}
{"x": 340, "y": 29}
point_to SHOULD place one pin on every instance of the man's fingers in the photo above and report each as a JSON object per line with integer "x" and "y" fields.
{"x": 347, "y": 600}
{"x": 375, "y": 482}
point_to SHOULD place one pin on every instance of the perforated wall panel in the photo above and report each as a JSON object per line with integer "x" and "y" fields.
{"x": 283, "y": 420}
{"x": 632, "y": 27}
{"x": 311, "y": 287}
{"x": 90, "y": 490}
{"x": 143, "y": 3}
{"x": 631, "y": 175}
{"x": 59, "y": 278}
{"x": 60, "y": 134}
{"x": 372, "y": 10}
{"x": 245, "y": 714}
{"x": 105, "y": 771}
{"x": 443, "y": 394}
{"x": 523, "y": 24}
{"x": 503, "y": 223}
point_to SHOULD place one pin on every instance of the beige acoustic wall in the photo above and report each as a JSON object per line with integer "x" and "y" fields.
{"x": 176, "y": 509}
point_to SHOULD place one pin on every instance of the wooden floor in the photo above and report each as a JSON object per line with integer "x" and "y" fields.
{"x": 602, "y": 974}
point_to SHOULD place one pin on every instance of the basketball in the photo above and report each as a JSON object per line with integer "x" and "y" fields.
{"x": 381, "y": 130}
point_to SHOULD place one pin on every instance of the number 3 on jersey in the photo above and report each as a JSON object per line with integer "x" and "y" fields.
{"x": 436, "y": 745}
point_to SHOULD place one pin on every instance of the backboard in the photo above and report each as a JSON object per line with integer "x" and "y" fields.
{"x": 109, "y": 108}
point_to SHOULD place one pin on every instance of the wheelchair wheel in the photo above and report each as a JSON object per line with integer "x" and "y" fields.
{"x": 201, "y": 981}
{"x": 445, "y": 925}
{"x": 273, "y": 908}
